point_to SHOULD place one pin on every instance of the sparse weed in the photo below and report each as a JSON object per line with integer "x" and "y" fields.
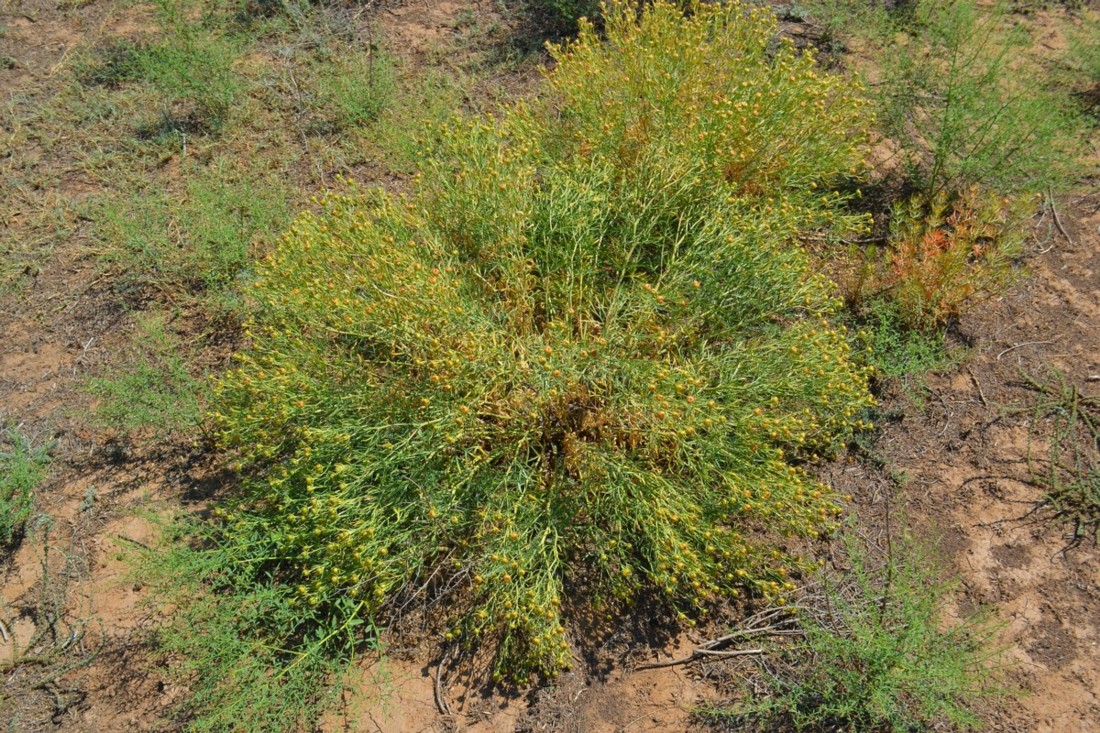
{"x": 1084, "y": 59}
{"x": 36, "y": 666}
{"x": 113, "y": 66}
{"x": 37, "y": 220}
{"x": 436, "y": 98}
{"x": 1085, "y": 46}
{"x": 878, "y": 653}
{"x": 154, "y": 390}
{"x": 580, "y": 354}
{"x": 197, "y": 242}
{"x": 970, "y": 108}
{"x": 22, "y": 468}
{"x": 1069, "y": 473}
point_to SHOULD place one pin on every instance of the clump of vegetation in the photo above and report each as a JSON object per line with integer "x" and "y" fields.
{"x": 1069, "y": 473}
{"x": 837, "y": 20}
{"x": 155, "y": 390}
{"x": 877, "y": 653}
{"x": 197, "y": 242}
{"x": 357, "y": 88}
{"x": 1084, "y": 58}
{"x": 979, "y": 132}
{"x": 22, "y": 468}
{"x": 582, "y": 354}
{"x": 945, "y": 257}
{"x": 252, "y": 657}
{"x": 970, "y": 108}
{"x": 895, "y": 350}
{"x": 192, "y": 66}
{"x": 941, "y": 260}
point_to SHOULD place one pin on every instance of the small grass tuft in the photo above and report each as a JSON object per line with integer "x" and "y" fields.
{"x": 155, "y": 390}
{"x": 22, "y": 469}
{"x": 877, "y": 654}
{"x": 357, "y": 87}
{"x": 192, "y": 66}
{"x": 1069, "y": 473}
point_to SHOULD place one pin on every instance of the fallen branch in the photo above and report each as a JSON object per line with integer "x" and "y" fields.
{"x": 440, "y": 696}
{"x": 713, "y": 648}
{"x": 1058, "y": 220}
{"x": 978, "y": 384}
{"x": 699, "y": 654}
{"x": 1021, "y": 345}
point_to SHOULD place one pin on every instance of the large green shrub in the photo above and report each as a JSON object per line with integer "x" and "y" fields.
{"x": 577, "y": 362}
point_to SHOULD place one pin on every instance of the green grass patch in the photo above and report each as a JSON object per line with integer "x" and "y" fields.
{"x": 878, "y": 652}
{"x": 196, "y": 241}
{"x": 22, "y": 469}
{"x": 897, "y": 351}
{"x": 154, "y": 388}
{"x": 191, "y": 64}
{"x": 1084, "y": 41}
{"x": 356, "y": 87}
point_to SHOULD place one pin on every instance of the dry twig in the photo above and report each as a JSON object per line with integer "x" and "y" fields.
{"x": 774, "y": 622}
{"x": 440, "y": 692}
{"x": 1058, "y": 220}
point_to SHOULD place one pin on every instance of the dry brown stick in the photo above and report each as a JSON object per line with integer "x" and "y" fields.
{"x": 1021, "y": 345}
{"x": 440, "y": 698}
{"x": 698, "y": 654}
{"x": 1058, "y": 220}
{"x": 764, "y": 623}
{"x": 978, "y": 385}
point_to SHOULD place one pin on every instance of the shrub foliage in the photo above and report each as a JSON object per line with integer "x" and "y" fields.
{"x": 581, "y": 361}
{"x": 877, "y": 655}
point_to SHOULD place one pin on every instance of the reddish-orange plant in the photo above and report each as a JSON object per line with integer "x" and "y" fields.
{"x": 952, "y": 253}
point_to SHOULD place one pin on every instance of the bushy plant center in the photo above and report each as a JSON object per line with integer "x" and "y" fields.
{"x": 580, "y": 361}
